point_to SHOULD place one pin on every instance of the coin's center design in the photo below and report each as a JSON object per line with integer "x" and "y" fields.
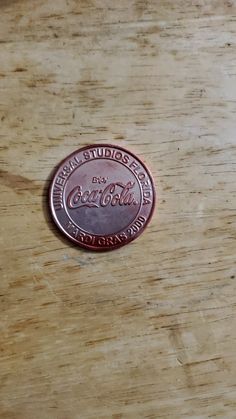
{"x": 113, "y": 194}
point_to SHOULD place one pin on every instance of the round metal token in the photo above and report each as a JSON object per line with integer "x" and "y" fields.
{"x": 102, "y": 197}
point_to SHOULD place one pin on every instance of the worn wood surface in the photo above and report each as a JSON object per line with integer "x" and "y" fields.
{"x": 147, "y": 331}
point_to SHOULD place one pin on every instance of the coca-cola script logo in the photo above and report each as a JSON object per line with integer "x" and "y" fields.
{"x": 113, "y": 194}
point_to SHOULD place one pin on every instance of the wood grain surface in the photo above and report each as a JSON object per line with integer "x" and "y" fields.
{"x": 149, "y": 330}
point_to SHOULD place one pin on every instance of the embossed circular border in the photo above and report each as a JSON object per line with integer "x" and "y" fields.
{"x": 96, "y": 247}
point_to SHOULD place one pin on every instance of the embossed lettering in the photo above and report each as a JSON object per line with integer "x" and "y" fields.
{"x": 58, "y": 195}
{"x": 99, "y": 179}
{"x": 113, "y": 194}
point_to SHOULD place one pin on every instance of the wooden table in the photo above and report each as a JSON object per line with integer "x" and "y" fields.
{"x": 146, "y": 331}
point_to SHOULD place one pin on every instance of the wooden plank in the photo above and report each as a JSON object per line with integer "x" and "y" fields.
{"x": 146, "y": 331}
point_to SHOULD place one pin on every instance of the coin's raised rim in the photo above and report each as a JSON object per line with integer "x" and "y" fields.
{"x": 84, "y": 245}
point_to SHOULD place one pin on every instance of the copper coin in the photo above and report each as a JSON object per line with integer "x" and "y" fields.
{"x": 102, "y": 197}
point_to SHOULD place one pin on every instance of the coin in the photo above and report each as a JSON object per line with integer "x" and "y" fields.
{"x": 102, "y": 197}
